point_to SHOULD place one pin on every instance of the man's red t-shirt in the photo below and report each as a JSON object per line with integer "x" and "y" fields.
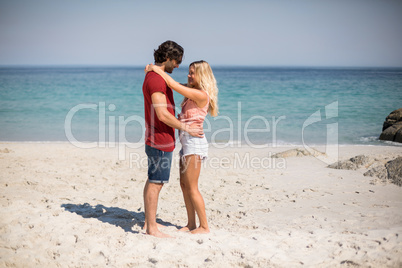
{"x": 157, "y": 134}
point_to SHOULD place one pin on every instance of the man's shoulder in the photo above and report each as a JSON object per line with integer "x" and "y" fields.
{"x": 154, "y": 77}
{"x": 155, "y": 83}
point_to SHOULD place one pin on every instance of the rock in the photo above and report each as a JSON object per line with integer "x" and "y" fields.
{"x": 398, "y": 136}
{"x": 361, "y": 160}
{"x": 348, "y": 165}
{"x": 298, "y": 153}
{"x": 392, "y": 133}
{"x": 392, "y": 118}
{"x": 379, "y": 172}
{"x": 394, "y": 169}
{"x": 353, "y": 163}
{"x": 392, "y": 127}
{"x": 385, "y": 170}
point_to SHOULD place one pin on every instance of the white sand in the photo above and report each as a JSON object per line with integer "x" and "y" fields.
{"x": 62, "y": 206}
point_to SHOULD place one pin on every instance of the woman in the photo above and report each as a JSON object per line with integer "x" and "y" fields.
{"x": 200, "y": 97}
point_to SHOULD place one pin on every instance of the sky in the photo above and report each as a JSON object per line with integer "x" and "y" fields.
{"x": 322, "y": 33}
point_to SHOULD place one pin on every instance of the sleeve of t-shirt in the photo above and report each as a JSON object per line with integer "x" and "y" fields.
{"x": 157, "y": 84}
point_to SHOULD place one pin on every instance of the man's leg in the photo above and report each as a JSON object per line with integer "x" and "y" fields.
{"x": 159, "y": 164}
{"x": 151, "y": 196}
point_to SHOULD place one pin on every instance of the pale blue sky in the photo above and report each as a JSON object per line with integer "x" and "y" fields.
{"x": 270, "y": 33}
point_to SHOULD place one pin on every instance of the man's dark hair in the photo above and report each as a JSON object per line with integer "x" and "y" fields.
{"x": 168, "y": 50}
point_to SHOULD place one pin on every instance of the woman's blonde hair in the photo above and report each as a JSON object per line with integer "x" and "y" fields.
{"x": 207, "y": 83}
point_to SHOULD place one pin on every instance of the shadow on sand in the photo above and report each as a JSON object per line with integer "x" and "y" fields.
{"x": 113, "y": 215}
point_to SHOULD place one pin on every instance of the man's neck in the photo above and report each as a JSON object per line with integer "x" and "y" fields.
{"x": 161, "y": 65}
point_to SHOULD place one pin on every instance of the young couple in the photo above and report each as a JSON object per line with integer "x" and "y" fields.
{"x": 200, "y": 97}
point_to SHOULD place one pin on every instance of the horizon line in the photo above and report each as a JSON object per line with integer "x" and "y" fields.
{"x": 214, "y": 65}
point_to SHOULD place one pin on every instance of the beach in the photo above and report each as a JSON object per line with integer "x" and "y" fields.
{"x": 64, "y": 206}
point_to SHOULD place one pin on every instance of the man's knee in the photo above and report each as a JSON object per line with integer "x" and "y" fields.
{"x": 155, "y": 185}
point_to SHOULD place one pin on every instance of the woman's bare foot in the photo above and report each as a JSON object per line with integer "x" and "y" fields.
{"x": 200, "y": 230}
{"x": 186, "y": 229}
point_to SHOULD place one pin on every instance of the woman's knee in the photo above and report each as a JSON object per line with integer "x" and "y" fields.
{"x": 193, "y": 191}
{"x": 189, "y": 187}
{"x": 183, "y": 185}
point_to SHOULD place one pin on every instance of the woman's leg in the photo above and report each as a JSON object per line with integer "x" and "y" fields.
{"x": 191, "y": 223}
{"x": 190, "y": 179}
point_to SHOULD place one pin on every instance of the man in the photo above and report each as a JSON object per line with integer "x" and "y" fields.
{"x": 160, "y": 122}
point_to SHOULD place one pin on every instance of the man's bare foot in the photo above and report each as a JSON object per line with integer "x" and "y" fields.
{"x": 200, "y": 230}
{"x": 157, "y": 224}
{"x": 159, "y": 234}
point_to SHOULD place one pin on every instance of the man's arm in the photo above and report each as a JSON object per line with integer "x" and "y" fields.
{"x": 160, "y": 106}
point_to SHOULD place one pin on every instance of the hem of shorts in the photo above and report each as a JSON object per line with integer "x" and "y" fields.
{"x": 154, "y": 181}
{"x": 203, "y": 157}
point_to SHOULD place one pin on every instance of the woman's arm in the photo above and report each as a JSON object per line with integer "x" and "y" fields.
{"x": 198, "y": 96}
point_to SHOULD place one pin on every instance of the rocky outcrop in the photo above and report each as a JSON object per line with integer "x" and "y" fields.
{"x": 353, "y": 163}
{"x": 384, "y": 169}
{"x": 298, "y": 153}
{"x": 392, "y": 127}
{"x": 379, "y": 171}
{"x": 394, "y": 169}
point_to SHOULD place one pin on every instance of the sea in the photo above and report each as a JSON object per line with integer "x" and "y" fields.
{"x": 261, "y": 106}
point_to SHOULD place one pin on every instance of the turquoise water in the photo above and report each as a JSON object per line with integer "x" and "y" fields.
{"x": 257, "y": 105}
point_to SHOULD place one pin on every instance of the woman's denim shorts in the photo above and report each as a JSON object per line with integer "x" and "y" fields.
{"x": 159, "y": 163}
